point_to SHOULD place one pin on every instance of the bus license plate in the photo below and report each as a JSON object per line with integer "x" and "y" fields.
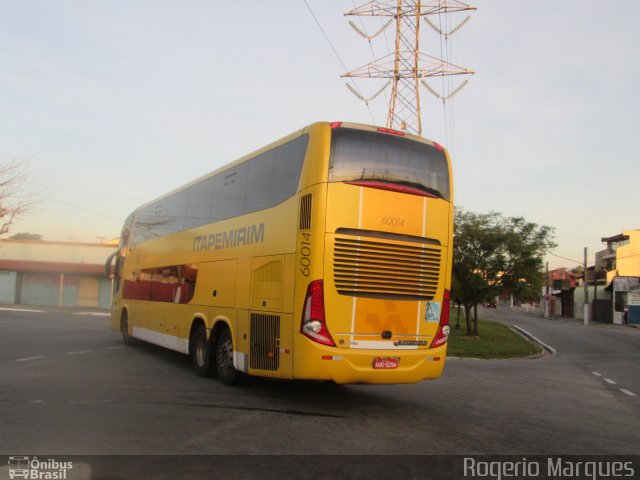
{"x": 385, "y": 363}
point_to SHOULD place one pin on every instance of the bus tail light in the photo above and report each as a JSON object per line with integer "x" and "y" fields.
{"x": 313, "y": 319}
{"x": 394, "y": 187}
{"x": 392, "y": 132}
{"x": 443, "y": 328}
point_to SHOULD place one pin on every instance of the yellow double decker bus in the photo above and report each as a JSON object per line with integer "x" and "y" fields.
{"x": 325, "y": 255}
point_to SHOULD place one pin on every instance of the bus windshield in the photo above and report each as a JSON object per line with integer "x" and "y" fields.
{"x": 363, "y": 156}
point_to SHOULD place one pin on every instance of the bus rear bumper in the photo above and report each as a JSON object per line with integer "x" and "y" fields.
{"x": 348, "y": 365}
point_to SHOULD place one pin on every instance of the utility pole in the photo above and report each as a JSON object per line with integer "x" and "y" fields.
{"x": 595, "y": 316}
{"x": 407, "y": 67}
{"x": 546, "y": 298}
{"x": 586, "y": 290}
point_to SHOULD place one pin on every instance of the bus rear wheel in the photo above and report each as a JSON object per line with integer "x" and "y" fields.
{"x": 201, "y": 352}
{"x": 124, "y": 329}
{"x": 224, "y": 360}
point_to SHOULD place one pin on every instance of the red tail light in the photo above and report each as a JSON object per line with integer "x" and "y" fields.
{"x": 394, "y": 187}
{"x": 443, "y": 328}
{"x": 313, "y": 320}
{"x": 392, "y": 132}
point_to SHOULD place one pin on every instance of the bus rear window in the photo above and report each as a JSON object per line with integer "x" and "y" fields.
{"x": 360, "y": 156}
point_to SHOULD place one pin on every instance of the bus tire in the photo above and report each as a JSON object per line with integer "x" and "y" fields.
{"x": 224, "y": 360}
{"x": 202, "y": 352}
{"x": 127, "y": 339}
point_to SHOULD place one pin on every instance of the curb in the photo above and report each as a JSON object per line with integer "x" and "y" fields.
{"x": 532, "y": 337}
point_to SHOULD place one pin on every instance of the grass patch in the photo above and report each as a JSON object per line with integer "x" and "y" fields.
{"x": 495, "y": 341}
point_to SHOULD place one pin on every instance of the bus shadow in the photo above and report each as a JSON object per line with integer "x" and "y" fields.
{"x": 328, "y": 399}
{"x": 292, "y": 397}
{"x": 164, "y": 356}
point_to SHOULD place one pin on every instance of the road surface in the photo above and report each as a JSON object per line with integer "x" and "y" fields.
{"x": 70, "y": 387}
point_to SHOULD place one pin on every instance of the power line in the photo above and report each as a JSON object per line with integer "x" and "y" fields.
{"x": 325, "y": 35}
{"x": 627, "y": 256}
{"x": 93, "y": 212}
{"x": 565, "y": 258}
{"x": 335, "y": 51}
{"x": 383, "y": 29}
{"x": 444, "y": 106}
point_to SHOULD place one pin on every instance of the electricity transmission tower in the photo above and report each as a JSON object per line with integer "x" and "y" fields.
{"x": 407, "y": 66}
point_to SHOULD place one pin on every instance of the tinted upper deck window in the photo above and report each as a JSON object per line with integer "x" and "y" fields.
{"x": 364, "y": 155}
{"x": 258, "y": 183}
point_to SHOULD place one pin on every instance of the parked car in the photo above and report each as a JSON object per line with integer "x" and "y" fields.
{"x": 490, "y": 305}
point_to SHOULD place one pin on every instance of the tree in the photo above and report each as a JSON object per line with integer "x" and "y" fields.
{"x": 494, "y": 254}
{"x": 14, "y": 200}
{"x": 26, "y": 236}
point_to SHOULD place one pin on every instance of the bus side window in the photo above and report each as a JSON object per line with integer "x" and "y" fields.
{"x": 229, "y": 191}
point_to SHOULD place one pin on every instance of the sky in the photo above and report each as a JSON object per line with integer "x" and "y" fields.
{"x": 114, "y": 103}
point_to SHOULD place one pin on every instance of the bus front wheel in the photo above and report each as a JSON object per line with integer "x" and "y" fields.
{"x": 224, "y": 360}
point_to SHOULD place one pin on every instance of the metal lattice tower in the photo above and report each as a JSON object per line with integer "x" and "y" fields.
{"x": 407, "y": 67}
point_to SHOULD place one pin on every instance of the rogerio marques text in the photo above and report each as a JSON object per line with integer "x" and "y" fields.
{"x": 550, "y": 467}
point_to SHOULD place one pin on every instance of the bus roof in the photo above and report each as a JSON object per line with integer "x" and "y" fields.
{"x": 291, "y": 136}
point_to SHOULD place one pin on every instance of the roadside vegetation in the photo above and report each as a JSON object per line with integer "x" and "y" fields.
{"x": 497, "y": 341}
{"x": 14, "y": 201}
{"x": 496, "y": 255}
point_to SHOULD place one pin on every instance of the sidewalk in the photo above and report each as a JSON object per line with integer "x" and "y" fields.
{"x": 576, "y": 321}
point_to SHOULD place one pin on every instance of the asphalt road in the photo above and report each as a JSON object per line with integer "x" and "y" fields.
{"x": 69, "y": 387}
{"x": 609, "y": 352}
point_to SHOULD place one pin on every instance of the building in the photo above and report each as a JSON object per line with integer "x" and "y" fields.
{"x": 61, "y": 274}
{"x": 561, "y": 285}
{"x": 622, "y": 255}
{"x": 621, "y": 259}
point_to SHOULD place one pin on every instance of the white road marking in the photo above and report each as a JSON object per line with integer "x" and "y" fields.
{"x": 27, "y": 359}
{"x": 79, "y": 352}
{"x": 613, "y": 382}
{"x": 21, "y": 310}
{"x": 95, "y": 314}
{"x": 36, "y": 401}
{"x": 116, "y": 348}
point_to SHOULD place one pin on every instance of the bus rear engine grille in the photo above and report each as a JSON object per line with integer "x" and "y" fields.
{"x": 365, "y": 268}
{"x": 265, "y": 342}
